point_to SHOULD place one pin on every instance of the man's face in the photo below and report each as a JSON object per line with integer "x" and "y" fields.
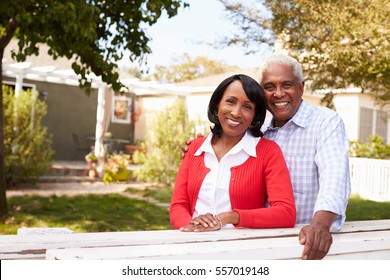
{"x": 282, "y": 91}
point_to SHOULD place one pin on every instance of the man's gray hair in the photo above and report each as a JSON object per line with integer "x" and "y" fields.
{"x": 283, "y": 60}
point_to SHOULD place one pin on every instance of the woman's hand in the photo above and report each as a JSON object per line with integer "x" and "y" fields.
{"x": 206, "y": 222}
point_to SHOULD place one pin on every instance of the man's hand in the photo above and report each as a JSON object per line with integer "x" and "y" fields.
{"x": 316, "y": 237}
{"x": 184, "y": 149}
{"x": 316, "y": 240}
{"x": 188, "y": 142}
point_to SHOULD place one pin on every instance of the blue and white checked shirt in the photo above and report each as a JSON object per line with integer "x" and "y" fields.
{"x": 315, "y": 146}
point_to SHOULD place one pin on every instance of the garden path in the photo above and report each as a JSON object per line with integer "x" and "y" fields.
{"x": 79, "y": 188}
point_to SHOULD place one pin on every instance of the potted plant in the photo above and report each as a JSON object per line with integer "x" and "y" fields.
{"x": 91, "y": 160}
{"x": 116, "y": 168}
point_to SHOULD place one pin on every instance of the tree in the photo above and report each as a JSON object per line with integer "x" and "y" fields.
{"x": 185, "y": 68}
{"x": 95, "y": 34}
{"x": 339, "y": 43}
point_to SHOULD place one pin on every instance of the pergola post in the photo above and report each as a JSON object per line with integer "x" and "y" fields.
{"x": 99, "y": 130}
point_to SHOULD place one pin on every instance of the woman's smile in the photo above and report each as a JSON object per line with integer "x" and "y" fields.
{"x": 233, "y": 122}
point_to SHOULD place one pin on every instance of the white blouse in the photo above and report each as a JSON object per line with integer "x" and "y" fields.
{"x": 214, "y": 193}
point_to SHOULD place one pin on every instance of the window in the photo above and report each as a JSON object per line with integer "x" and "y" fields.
{"x": 373, "y": 122}
{"x": 366, "y": 123}
{"x": 381, "y": 125}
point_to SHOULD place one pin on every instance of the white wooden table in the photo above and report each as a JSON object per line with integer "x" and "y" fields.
{"x": 357, "y": 240}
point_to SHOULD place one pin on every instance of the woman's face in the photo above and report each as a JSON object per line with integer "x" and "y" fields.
{"x": 235, "y": 111}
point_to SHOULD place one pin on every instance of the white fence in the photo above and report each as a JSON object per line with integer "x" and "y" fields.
{"x": 370, "y": 178}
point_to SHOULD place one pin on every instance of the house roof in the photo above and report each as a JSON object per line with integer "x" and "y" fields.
{"x": 216, "y": 79}
{"x": 43, "y": 59}
{"x": 44, "y": 67}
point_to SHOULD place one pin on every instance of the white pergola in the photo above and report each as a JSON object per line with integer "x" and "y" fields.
{"x": 25, "y": 70}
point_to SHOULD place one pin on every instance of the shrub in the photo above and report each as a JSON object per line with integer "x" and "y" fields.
{"x": 139, "y": 156}
{"x": 28, "y": 151}
{"x": 166, "y": 134}
{"x": 374, "y": 148}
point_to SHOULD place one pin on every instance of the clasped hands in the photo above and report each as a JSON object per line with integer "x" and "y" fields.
{"x": 202, "y": 223}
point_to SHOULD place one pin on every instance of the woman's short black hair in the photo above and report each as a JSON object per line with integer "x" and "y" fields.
{"x": 255, "y": 94}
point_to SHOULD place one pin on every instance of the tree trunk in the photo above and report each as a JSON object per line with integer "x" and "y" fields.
{"x": 5, "y": 38}
{"x": 3, "y": 200}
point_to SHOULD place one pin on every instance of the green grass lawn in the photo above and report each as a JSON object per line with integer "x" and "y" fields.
{"x": 360, "y": 209}
{"x": 84, "y": 213}
{"x": 114, "y": 212}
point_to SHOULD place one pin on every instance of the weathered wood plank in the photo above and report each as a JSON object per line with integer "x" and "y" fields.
{"x": 345, "y": 245}
{"x": 40, "y": 231}
{"x": 17, "y": 246}
{"x": 35, "y": 246}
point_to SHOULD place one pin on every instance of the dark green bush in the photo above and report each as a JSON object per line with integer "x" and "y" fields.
{"x": 28, "y": 151}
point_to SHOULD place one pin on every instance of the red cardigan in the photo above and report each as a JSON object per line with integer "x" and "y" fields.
{"x": 251, "y": 184}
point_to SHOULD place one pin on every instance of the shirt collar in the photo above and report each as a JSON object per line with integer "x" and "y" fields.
{"x": 300, "y": 118}
{"x": 247, "y": 144}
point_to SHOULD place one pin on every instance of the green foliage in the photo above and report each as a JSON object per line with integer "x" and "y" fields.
{"x": 28, "y": 152}
{"x": 95, "y": 34}
{"x": 327, "y": 101}
{"x": 116, "y": 168}
{"x": 340, "y": 43}
{"x": 185, "y": 68}
{"x": 139, "y": 156}
{"x": 166, "y": 134}
{"x": 373, "y": 148}
{"x": 91, "y": 157}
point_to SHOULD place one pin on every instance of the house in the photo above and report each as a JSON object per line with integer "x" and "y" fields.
{"x": 70, "y": 111}
{"x": 76, "y": 118}
{"x": 360, "y": 113}
{"x": 71, "y": 114}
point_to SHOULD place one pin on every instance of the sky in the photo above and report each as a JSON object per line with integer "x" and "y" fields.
{"x": 204, "y": 21}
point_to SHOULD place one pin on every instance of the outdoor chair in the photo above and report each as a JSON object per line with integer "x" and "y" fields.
{"x": 78, "y": 148}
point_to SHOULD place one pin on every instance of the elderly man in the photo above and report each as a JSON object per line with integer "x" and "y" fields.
{"x": 315, "y": 146}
